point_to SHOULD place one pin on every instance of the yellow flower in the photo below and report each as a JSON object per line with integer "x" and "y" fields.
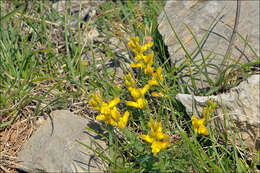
{"x": 114, "y": 102}
{"x": 157, "y": 77}
{"x": 136, "y": 47}
{"x": 156, "y": 137}
{"x": 123, "y": 120}
{"x": 137, "y": 65}
{"x": 140, "y": 92}
{"x": 106, "y": 108}
{"x": 148, "y": 59}
{"x": 160, "y": 94}
{"x": 148, "y": 69}
{"x": 115, "y": 114}
{"x": 144, "y": 61}
{"x": 138, "y": 95}
{"x": 134, "y": 44}
{"x": 129, "y": 81}
{"x": 109, "y": 112}
{"x": 139, "y": 56}
{"x": 139, "y": 103}
{"x": 198, "y": 125}
{"x": 101, "y": 117}
{"x": 96, "y": 101}
{"x": 207, "y": 112}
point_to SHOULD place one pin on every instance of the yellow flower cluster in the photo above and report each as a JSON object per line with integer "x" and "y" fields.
{"x": 111, "y": 115}
{"x": 198, "y": 124}
{"x": 109, "y": 112}
{"x": 156, "y": 137}
{"x": 137, "y": 93}
{"x": 145, "y": 62}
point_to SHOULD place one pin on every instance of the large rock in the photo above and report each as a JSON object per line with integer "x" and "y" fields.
{"x": 58, "y": 150}
{"x": 241, "y": 105}
{"x": 199, "y": 15}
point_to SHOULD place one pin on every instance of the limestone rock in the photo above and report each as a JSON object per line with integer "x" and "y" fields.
{"x": 59, "y": 151}
{"x": 199, "y": 15}
{"x": 241, "y": 104}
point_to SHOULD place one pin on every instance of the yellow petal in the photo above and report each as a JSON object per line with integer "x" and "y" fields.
{"x": 137, "y": 65}
{"x": 164, "y": 144}
{"x": 198, "y": 126}
{"x": 150, "y": 44}
{"x": 129, "y": 81}
{"x": 136, "y": 93}
{"x": 158, "y": 74}
{"x": 148, "y": 70}
{"x": 161, "y": 136}
{"x": 158, "y": 94}
{"x": 147, "y": 138}
{"x": 114, "y": 102}
{"x": 148, "y": 59}
{"x": 132, "y": 104}
{"x": 203, "y": 130}
{"x": 139, "y": 56}
{"x": 94, "y": 104}
{"x": 151, "y": 122}
{"x": 153, "y": 81}
{"x": 141, "y": 103}
{"x": 159, "y": 71}
{"x": 96, "y": 101}
{"x": 196, "y": 122}
{"x": 145, "y": 89}
{"x": 157, "y": 126}
{"x": 105, "y": 109}
{"x": 205, "y": 111}
{"x": 115, "y": 114}
{"x": 101, "y": 117}
{"x": 123, "y": 120}
{"x": 111, "y": 122}
{"x": 156, "y": 147}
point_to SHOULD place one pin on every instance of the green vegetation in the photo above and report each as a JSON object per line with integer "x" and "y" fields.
{"x": 45, "y": 64}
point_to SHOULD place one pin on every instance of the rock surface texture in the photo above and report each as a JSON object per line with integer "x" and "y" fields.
{"x": 241, "y": 105}
{"x": 58, "y": 150}
{"x": 219, "y": 18}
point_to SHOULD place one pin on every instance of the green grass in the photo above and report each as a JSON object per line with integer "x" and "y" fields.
{"x": 43, "y": 69}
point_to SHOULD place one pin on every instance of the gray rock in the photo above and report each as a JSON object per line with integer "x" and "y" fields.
{"x": 59, "y": 151}
{"x": 199, "y": 15}
{"x": 77, "y": 9}
{"x": 241, "y": 105}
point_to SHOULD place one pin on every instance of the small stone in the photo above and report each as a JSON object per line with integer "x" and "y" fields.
{"x": 241, "y": 105}
{"x": 58, "y": 150}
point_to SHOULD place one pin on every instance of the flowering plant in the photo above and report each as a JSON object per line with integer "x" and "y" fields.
{"x": 108, "y": 110}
